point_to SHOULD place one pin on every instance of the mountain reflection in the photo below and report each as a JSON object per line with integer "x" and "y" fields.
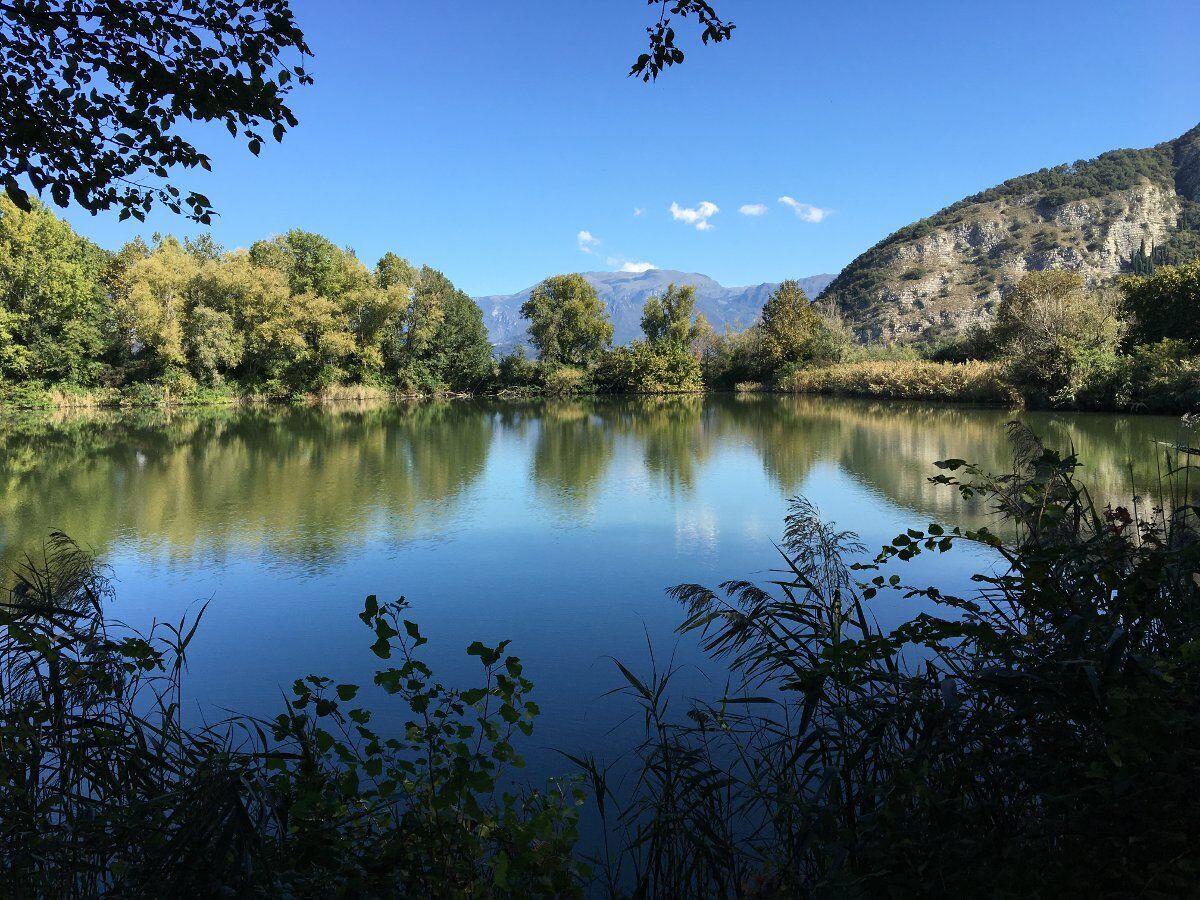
{"x": 310, "y": 485}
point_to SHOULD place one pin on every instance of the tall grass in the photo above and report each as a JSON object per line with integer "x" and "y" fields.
{"x": 906, "y": 379}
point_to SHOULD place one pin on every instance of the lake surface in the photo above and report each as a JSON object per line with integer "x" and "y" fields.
{"x": 557, "y": 525}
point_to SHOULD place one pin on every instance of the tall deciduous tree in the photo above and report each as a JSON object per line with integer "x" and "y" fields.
{"x": 567, "y": 321}
{"x": 1049, "y": 324}
{"x": 668, "y": 319}
{"x": 446, "y": 341}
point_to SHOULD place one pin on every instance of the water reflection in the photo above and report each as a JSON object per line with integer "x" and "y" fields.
{"x": 307, "y": 486}
{"x": 302, "y": 485}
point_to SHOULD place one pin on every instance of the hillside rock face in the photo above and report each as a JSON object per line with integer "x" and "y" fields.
{"x": 624, "y": 293}
{"x": 943, "y": 274}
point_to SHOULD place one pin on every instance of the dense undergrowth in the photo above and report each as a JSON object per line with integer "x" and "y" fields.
{"x": 1036, "y": 737}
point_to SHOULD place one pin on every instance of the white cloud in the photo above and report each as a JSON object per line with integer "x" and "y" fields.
{"x": 587, "y": 242}
{"x": 753, "y": 209}
{"x": 621, "y": 264}
{"x": 805, "y": 211}
{"x": 698, "y": 215}
{"x": 637, "y": 210}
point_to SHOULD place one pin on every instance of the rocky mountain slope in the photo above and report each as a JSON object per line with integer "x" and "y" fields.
{"x": 948, "y": 271}
{"x": 624, "y": 293}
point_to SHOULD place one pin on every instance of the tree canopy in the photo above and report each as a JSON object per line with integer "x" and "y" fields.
{"x": 295, "y": 313}
{"x": 96, "y": 91}
{"x": 567, "y": 321}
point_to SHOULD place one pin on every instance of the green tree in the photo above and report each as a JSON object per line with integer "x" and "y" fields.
{"x": 668, "y": 319}
{"x": 312, "y": 263}
{"x": 445, "y": 341}
{"x": 792, "y": 331}
{"x": 52, "y": 310}
{"x": 1165, "y": 305}
{"x": 567, "y": 321}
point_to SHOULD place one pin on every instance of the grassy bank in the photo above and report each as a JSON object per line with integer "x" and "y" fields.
{"x": 968, "y": 382}
{"x": 24, "y": 396}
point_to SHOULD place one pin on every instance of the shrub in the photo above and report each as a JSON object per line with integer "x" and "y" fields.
{"x": 560, "y": 380}
{"x": 1158, "y": 377}
{"x": 1164, "y": 305}
{"x": 516, "y": 370}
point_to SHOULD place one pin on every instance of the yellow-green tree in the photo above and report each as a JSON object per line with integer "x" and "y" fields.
{"x": 152, "y": 309}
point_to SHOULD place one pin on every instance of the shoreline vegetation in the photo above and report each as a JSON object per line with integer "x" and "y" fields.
{"x": 297, "y": 319}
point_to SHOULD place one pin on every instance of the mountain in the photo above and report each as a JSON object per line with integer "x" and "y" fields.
{"x": 624, "y": 293}
{"x": 948, "y": 271}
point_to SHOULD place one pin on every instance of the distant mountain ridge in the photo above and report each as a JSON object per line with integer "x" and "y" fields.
{"x": 624, "y": 293}
{"x": 947, "y": 272}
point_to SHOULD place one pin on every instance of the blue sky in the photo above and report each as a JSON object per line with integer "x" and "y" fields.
{"x": 482, "y": 138}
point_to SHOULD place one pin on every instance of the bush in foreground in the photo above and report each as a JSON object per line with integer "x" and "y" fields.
{"x": 105, "y": 789}
{"x": 1040, "y": 738}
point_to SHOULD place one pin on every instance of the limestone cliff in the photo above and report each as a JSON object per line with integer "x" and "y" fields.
{"x": 944, "y": 273}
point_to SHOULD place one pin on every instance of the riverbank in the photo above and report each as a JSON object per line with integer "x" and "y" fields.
{"x": 1143, "y": 382}
{"x": 32, "y": 397}
{"x": 967, "y": 382}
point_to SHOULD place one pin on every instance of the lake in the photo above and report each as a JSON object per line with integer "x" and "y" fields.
{"x": 557, "y": 525}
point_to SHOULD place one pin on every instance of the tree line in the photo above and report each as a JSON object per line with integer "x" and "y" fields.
{"x": 294, "y": 313}
{"x": 297, "y": 314}
{"x": 173, "y": 320}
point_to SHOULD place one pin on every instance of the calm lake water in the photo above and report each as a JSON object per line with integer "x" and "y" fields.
{"x": 557, "y": 525}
